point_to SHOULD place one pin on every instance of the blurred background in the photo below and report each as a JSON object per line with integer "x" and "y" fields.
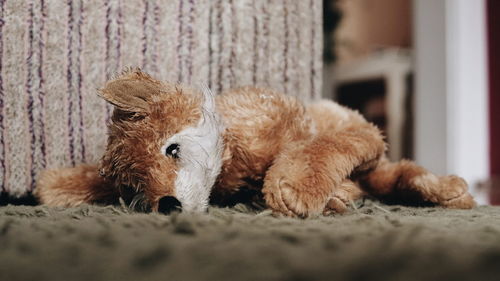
{"x": 426, "y": 72}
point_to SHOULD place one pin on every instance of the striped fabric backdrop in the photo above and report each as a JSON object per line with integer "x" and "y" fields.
{"x": 55, "y": 53}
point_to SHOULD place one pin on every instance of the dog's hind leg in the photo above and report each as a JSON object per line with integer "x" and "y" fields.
{"x": 68, "y": 187}
{"x": 406, "y": 182}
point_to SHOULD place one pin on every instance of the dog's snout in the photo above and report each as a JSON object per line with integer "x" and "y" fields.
{"x": 169, "y": 204}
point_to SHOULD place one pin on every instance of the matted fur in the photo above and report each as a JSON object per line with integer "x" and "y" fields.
{"x": 306, "y": 160}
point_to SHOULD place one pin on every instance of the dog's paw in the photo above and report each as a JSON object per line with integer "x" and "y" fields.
{"x": 454, "y": 193}
{"x": 447, "y": 191}
{"x": 335, "y": 205}
{"x": 295, "y": 199}
{"x": 342, "y": 198}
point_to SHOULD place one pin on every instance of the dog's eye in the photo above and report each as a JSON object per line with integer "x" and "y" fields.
{"x": 173, "y": 150}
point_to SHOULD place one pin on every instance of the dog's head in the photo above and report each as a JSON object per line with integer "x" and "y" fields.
{"x": 164, "y": 145}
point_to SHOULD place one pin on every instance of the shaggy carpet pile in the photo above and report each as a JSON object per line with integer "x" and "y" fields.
{"x": 372, "y": 242}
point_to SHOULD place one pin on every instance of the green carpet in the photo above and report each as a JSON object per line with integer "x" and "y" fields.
{"x": 374, "y": 242}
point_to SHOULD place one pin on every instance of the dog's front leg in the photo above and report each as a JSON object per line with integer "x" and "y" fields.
{"x": 306, "y": 173}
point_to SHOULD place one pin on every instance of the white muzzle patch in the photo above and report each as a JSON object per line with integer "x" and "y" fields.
{"x": 199, "y": 156}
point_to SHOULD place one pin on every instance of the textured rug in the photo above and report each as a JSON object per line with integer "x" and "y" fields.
{"x": 374, "y": 242}
{"x": 54, "y": 54}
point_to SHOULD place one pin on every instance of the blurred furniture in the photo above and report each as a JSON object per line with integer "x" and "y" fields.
{"x": 493, "y": 34}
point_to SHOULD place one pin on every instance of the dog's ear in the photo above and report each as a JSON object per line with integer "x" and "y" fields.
{"x": 132, "y": 91}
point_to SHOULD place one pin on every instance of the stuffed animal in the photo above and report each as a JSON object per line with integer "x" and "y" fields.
{"x": 173, "y": 147}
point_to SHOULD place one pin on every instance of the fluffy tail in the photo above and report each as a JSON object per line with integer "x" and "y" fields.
{"x": 407, "y": 182}
{"x": 69, "y": 187}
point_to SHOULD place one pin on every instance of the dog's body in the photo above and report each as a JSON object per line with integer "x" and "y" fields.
{"x": 171, "y": 141}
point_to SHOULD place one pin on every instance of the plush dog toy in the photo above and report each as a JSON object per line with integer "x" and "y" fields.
{"x": 172, "y": 146}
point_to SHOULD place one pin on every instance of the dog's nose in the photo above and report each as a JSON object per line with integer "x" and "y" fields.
{"x": 169, "y": 204}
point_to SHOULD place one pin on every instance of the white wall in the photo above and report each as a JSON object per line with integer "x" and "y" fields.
{"x": 430, "y": 85}
{"x": 451, "y": 92}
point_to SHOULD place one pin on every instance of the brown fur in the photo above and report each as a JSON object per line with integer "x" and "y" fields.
{"x": 73, "y": 186}
{"x": 305, "y": 160}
